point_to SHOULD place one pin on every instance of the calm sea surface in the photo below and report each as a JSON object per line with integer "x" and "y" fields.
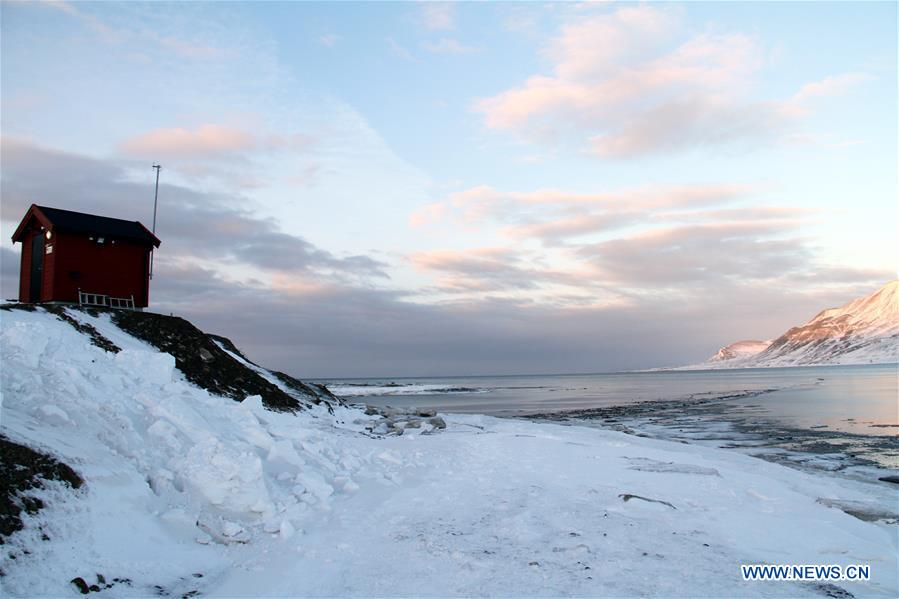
{"x": 833, "y": 419}
{"x": 854, "y": 399}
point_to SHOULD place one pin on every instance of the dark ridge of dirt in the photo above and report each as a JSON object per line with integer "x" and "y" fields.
{"x": 197, "y": 356}
{"x": 229, "y": 345}
{"x": 96, "y": 338}
{"x": 318, "y": 393}
{"x": 9, "y": 307}
{"x": 23, "y": 469}
{"x": 315, "y": 393}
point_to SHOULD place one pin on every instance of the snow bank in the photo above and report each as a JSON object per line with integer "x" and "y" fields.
{"x": 190, "y": 492}
{"x": 138, "y": 431}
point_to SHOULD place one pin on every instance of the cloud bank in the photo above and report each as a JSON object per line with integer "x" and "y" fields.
{"x": 634, "y": 82}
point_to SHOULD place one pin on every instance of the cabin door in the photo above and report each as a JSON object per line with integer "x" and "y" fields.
{"x": 37, "y": 268}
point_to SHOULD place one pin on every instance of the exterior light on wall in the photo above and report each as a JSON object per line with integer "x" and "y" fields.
{"x": 49, "y": 234}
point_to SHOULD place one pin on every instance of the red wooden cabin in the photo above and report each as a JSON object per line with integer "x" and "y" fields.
{"x": 75, "y": 257}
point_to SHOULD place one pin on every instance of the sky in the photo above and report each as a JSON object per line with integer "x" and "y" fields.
{"x": 432, "y": 189}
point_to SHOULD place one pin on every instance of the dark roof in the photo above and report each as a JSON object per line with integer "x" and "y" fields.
{"x": 79, "y": 222}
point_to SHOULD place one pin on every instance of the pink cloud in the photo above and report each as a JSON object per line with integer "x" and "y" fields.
{"x": 210, "y": 141}
{"x": 428, "y": 214}
{"x": 177, "y": 142}
{"x": 493, "y": 269}
{"x": 829, "y": 86}
{"x": 596, "y": 45}
{"x": 618, "y": 87}
{"x": 563, "y": 221}
{"x": 483, "y": 204}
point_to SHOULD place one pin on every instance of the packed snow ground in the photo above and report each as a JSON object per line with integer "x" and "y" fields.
{"x": 190, "y": 492}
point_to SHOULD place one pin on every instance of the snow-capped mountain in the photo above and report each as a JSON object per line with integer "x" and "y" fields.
{"x": 863, "y": 331}
{"x": 740, "y": 350}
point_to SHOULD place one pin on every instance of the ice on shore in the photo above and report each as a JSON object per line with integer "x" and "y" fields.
{"x": 190, "y": 492}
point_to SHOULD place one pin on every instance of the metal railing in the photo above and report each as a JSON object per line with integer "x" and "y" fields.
{"x": 98, "y": 299}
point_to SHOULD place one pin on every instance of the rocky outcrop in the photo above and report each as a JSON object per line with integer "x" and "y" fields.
{"x": 198, "y": 355}
{"x": 202, "y": 361}
{"x": 22, "y": 471}
{"x": 394, "y": 421}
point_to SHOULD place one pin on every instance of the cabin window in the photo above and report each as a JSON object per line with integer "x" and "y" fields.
{"x": 74, "y": 275}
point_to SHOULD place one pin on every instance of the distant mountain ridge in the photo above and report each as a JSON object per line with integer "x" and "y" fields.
{"x": 862, "y": 331}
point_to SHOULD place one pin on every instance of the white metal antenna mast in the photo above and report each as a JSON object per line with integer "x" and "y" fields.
{"x": 158, "y": 167}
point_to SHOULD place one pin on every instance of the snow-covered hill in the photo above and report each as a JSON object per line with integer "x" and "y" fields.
{"x": 173, "y": 490}
{"x": 740, "y": 350}
{"x": 863, "y": 331}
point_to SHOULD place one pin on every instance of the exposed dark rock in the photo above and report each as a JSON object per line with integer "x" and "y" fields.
{"x": 92, "y": 333}
{"x": 23, "y": 469}
{"x": 222, "y": 375}
{"x": 228, "y": 345}
{"x": 60, "y": 312}
{"x": 81, "y": 585}
{"x": 826, "y": 589}
{"x": 890, "y": 479}
{"x": 628, "y": 496}
{"x": 17, "y": 306}
{"x": 315, "y": 393}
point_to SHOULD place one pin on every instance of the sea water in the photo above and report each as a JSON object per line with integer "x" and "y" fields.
{"x": 858, "y": 399}
{"x": 844, "y": 415}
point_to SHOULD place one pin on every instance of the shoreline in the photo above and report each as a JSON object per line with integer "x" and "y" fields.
{"x": 713, "y": 421}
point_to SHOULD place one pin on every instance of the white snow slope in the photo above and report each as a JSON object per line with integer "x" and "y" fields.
{"x": 740, "y": 350}
{"x": 863, "y": 331}
{"x": 186, "y": 491}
